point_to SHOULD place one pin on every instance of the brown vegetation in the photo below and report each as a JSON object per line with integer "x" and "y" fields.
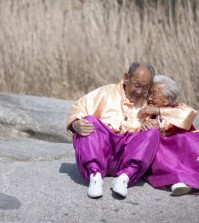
{"x": 65, "y": 48}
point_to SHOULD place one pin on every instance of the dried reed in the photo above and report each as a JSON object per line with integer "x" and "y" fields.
{"x": 65, "y": 48}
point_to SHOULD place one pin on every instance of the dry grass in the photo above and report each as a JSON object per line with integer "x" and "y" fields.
{"x": 65, "y": 48}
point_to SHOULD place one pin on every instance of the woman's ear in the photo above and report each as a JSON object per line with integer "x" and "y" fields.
{"x": 125, "y": 78}
{"x": 168, "y": 101}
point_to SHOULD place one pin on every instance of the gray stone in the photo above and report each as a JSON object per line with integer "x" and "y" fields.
{"x": 196, "y": 121}
{"x": 28, "y": 150}
{"x": 34, "y": 117}
{"x": 40, "y": 182}
{"x": 53, "y": 191}
{"x": 9, "y": 202}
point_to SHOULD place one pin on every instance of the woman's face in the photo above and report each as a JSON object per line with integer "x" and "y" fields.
{"x": 155, "y": 96}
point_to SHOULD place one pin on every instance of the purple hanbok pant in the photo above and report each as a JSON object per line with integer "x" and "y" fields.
{"x": 177, "y": 160}
{"x": 113, "y": 154}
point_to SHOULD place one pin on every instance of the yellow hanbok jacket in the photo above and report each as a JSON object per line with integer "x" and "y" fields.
{"x": 110, "y": 104}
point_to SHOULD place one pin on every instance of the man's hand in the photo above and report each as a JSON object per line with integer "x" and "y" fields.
{"x": 148, "y": 124}
{"x": 83, "y": 127}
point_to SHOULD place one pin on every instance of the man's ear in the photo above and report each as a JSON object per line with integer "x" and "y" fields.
{"x": 125, "y": 78}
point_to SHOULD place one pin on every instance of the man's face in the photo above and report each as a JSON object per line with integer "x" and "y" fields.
{"x": 155, "y": 96}
{"x": 136, "y": 87}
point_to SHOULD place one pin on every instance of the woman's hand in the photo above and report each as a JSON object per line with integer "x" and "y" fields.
{"x": 148, "y": 124}
{"x": 148, "y": 110}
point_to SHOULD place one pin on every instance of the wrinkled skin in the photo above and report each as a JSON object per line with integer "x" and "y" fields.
{"x": 155, "y": 100}
{"x": 142, "y": 77}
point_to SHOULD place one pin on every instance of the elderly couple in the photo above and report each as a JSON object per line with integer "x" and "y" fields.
{"x": 134, "y": 129}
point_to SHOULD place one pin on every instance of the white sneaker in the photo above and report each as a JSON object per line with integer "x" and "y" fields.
{"x": 119, "y": 185}
{"x": 95, "y": 186}
{"x": 180, "y": 189}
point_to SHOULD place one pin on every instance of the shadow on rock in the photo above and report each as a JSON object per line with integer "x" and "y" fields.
{"x": 117, "y": 196}
{"x": 72, "y": 171}
{"x": 139, "y": 183}
{"x": 9, "y": 202}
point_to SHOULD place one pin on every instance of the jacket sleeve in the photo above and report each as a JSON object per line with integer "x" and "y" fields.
{"x": 181, "y": 116}
{"x": 90, "y": 104}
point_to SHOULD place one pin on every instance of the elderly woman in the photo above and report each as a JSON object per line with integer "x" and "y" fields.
{"x": 177, "y": 160}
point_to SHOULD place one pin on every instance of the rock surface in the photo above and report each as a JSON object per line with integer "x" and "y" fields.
{"x": 33, "y": 117}
{"x": 40, "y": 183}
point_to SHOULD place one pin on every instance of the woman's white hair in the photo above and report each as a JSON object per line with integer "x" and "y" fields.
{"x": 169, "y": 88}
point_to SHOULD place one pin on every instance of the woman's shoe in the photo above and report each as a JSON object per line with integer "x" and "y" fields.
{"x": 179, "y": 189}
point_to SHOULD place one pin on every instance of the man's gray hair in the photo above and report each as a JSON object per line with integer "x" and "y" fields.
{"x": 135, "y": 65}
{"x": 170, "y": 87}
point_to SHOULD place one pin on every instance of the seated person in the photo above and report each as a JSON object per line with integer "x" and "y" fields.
{"x": 177, "y": 159}
{"x": 106, "y": 135}
{"x": 103, "y": 122}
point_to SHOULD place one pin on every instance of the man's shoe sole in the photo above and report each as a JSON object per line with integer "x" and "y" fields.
{"x": 117, "y": 191}
{"x": 95, "y": 195}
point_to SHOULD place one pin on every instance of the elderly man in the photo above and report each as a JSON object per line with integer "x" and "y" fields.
{"x": 106, "y": 138}
{"x": 102, "y": 120}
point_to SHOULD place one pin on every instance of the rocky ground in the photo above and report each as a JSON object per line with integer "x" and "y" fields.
{"x": 40, "y": 183}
